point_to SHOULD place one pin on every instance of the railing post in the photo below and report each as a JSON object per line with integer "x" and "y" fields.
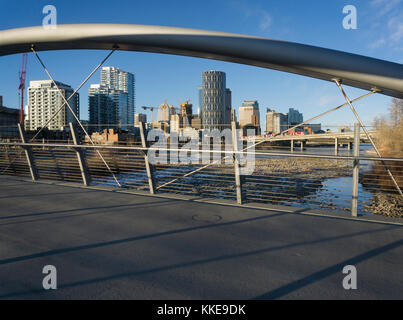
{"x": 28, "y": 154}
{"x": 356, "y": 170}
{"x": 80, "y": 156}
{"x": 292, "y": 145}
{"x": 238, "y": 180}
{"x": 149, "y": 167}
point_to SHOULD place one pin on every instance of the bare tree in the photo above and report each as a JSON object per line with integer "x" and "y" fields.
{"x": 390, "y": 130}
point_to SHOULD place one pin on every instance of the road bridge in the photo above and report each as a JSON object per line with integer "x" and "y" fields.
{"x": 336, "y": 139}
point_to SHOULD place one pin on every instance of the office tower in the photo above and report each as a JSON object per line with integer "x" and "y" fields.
{"x": 139, "y": 117}
{"x": 213, "y": 102}
{"x": 164, "y": 112}
{"x": 276, "y": 122}
{"x": 119, "y": 80}
{"x": 176, "y": 123}
{"x": 9, "y": 118}
{"x": 200, "y": 92}
{"x": 294, "y": 117}
{"x": 112, "y": 102}
{"x": 44, "y": 100}
{"x": 249, "y": 114}
{"x": 186, "y": 110}
{"x": 108, "y": 108}
{"x": 228, "y": 107}
{"x": 196, "y": 123}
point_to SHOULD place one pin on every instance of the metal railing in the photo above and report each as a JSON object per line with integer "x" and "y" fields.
{"x": 348, "y": 182}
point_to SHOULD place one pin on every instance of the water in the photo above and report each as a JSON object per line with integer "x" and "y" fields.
{"x": 339, "y": 190}
{"x": 332, "y": 193}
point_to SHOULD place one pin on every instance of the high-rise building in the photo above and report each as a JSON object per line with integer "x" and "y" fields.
{"x": 249, "y": 114}
{"x": 164, "y": 112}
{"x": 200, "y": 92}
{"x": 213, "y": 102}
{"x": 44, "y": 100}
{"x": 108, "y": 108}
{"x": 276, "y": 122}
{"x": 119, "y": 80}
{"x": 176, "y": 123}
{"x": 139, "y": 117}
{"x": 9, "y": 118}
{"x": 186, "y": 111}
{"x": 294, "y": 117}
{"x": 228, "y": 106}
{"x": 112, "y": 102}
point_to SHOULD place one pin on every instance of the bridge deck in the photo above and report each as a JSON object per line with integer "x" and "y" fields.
{"x": 115, "y": 245}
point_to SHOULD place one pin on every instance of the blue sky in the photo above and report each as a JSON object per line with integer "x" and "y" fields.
{"x": 175, "y": 78}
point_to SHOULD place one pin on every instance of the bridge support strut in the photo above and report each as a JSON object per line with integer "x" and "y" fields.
{"x": 80, "y": 155}
{"x": 238, "y": 178}
{"x": 66, "y": 102}
{"x": 149, "y": 168}
{"x": 28, "y": 154}
{"x": 337, "y": 81}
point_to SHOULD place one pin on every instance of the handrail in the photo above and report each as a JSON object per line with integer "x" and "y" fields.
{"x": 138, "y": 148}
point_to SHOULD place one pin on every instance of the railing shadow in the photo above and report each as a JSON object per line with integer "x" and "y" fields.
{"x": 270, "y": 295}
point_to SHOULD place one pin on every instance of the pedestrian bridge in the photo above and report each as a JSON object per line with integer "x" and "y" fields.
{"x": 109, "y": 244}
{"x": 316, "y": 62}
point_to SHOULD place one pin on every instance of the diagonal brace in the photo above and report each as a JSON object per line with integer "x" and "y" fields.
{"x": 338, "y": 83}
{"x": 74, "y": 115}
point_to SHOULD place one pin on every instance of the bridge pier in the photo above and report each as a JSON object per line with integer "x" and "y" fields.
{"x": 292, "y": 145}
{"x": 336, "y": 146}
{"x": 302, "y": 145}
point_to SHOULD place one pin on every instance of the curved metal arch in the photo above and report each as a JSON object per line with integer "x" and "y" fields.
{"x": 316, "y": 62}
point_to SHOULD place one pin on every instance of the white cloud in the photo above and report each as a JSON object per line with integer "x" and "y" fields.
{"x": 385, "y": 6}
{"x": 263, "y": 18}
{"x": 388, "y": 21}
{"x": 328, "y": 100}
{"x": 377, "y": 44}
{"x": 395, "y": 25}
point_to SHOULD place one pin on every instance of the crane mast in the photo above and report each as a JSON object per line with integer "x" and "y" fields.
{"x": 22, "y": 76}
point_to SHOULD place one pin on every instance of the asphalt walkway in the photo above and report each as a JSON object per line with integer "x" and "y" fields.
{"x": 109, "y": 245}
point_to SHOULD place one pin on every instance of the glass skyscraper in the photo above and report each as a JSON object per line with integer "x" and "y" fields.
{"x": 112, "y": 102}
{"x": 213, "y": 100}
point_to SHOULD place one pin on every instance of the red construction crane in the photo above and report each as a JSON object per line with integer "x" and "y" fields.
{"x": 22, "y": 76}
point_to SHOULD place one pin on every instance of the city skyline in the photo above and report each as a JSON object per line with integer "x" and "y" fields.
{"x": 270, "y": 88}
{"x": 112, "y": 93}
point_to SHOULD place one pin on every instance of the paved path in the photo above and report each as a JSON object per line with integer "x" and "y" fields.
{"x": 108, "y": 245}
